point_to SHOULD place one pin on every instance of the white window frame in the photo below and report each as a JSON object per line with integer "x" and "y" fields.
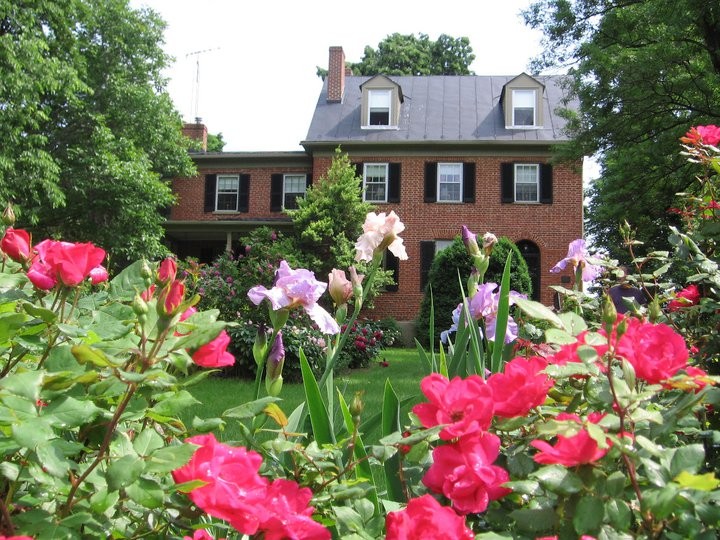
{"x": 441, "y": 173}
{"x": 227, "y": 191}
{"x": 387, "y": 96}
{"x": 516, "y": 93}
{"x": 536, "y": 182}
{"x": 386, "y": 166}
{"x": 286, "y": 192}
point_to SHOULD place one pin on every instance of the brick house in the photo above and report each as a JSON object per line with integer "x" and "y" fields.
{"x": 441, "y": 151}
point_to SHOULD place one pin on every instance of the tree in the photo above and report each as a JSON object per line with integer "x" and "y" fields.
{"x": 644, "y": 71}
{"x": 443, "y": 281}
{"x": 400, "y": 54}
{"x": 88, "y": 131}
{"x": 329, "y": 218}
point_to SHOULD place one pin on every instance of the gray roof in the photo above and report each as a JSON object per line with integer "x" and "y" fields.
{"x": 438, "y": 109}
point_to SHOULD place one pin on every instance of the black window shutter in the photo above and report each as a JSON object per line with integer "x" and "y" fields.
{"x": 430, "y": 181}
{"x": 469, "y": 182}
{"x": 308, "y": 180}
{"x": 210, "y": 183}
{"x": 393, "y": 183}
{"x": 427, "y": 254}
{"x": 546, "y": 183}
{"x": 244, "y": 193}
{"x": 392, "y": 263}
{"x": 276, "y": 192}
{"x": 507, "y": 182}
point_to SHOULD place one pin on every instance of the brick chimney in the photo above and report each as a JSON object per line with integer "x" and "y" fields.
{"x": 336, "y": 75}
{"x": 197, "y": 132}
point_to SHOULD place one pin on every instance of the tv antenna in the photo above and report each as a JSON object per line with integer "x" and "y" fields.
{"x": 195, "y": 96}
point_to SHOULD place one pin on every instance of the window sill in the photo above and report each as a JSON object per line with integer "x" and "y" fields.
{"x": 524, "y": 127}
{"x": 226, "y": 212}
{"x": 380, "y": 127}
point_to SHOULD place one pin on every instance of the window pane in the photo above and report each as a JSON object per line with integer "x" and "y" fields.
{"x": 379, "y": 99}
{"x": 226, "y": 201}
{"x": 449, "y": 182}
{"x": 227, "y": 192}
{"x": 295, "y": 183}
{"x": 376, "y": 182}
{"x": 523, "y": 107}
{"x": 526, "y": 183}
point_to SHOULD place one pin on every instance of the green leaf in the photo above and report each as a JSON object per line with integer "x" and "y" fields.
{"x": 124, "y": 471}
{"x": 558, "y": 479}
{"x": 559, "y": 336}
{"x": 200, "y": 336}
{"x": 68, "y": 412}
{"x": 322, "y": 429}
{"x": 615, "y": 484}
{"x": 390, "y": 424}
{"x": 128, "y": 282}
{"x": 250, "y": 409}
{"x": 524, "y": 487}
{"x": 618, "y": 513}
{"x": 52, "y": 459}
{"x": 502, "y": 316}
{"x": 102, "y": 500}
{"x": 539, "y": 311}
{"x": 147, "y": 493}
{"x": 660, "y": 502}
{"x": 26, "y": 384}
{"x": 702, "y": 482}
{"x": 10, "y": 323}
{"x": 147, "y": 441}
{"x": 206, "y": 425}
{"x": 174, "y": 404}
{"x": 689, "y": 458}
{"x": 587, "y": 519}
{"x": 534, "y": 519}
{"x": 38, "y": 312}
{"x": 32, "y": 434}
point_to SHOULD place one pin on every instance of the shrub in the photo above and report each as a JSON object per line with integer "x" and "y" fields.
{"x": 364, "y": 343}
{"x": 445, "y": 286}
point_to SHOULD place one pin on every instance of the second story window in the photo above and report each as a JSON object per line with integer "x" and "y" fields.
{"x": 526, "y": 182}
{"x": 523, "y": 107}
{"x": 375, "y": 181}
{"x": 450, "y": 181}
{"x": 227, "y": 192}
{"x": 293, "y": 187}
{"x": 379, "y": 107}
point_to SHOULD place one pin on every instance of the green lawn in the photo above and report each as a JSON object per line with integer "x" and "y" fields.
{"x": 404, "y": 371}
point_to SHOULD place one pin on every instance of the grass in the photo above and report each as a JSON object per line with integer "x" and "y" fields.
{"x": 404, "y": 371}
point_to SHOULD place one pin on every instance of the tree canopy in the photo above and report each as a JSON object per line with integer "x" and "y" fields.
{"x": 645, "y": 71}
{"x": 88, "y": 131}
{"x": 407, "y": 54}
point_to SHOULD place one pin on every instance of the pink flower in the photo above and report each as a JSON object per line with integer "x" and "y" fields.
{"x": 233, "y": 489}
{"x": 689, "y": 296}
{"x": 98, "y": 275}
{"x": 339, "y": 287}
{"x": 424, "y": 518}
{"x": 148, "y": 293}
{"x": 73, "y": 263}
{"x": 201, "y": 534}
{"x": 214, "y": 354}
{"x": 577, "y": 256}
{"x": 166, "y": 271}
{"x": 520, "y": 387}
{"x": 656, "y": 351}
{"x": 464, "y": 473}
{"x": 380, "y": 231}
{"x": 578, "y": 449}
{"x": 16, "y": 244}
{"x": 170, "y": 299}
{"x": 709, "y": 135}
{"x": 41, "y": 275}
{"x": 295, "y": 288}
{"x": 289, "y": 515}
{"x": 466, "y": 405}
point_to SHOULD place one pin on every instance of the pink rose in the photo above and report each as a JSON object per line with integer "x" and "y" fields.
{"x": 16, "y": 244}
{"x": 465, "y": 404}
{"x": 656, "y": 351}
{"x": 167, "y": 271}
{"x": 578, "y": 449}
{"x": 520, "y": 387}
{"x": 214, "y": 354}
{"x": 98, "y": 275}
{"x": 234, "y": 490}
{"x": 289, "y": 516}
{"x": 464, "y": 473}
{"x": 171, "y": 298}
{"x": 72, "y": 263}
{"x": 201, "y": 534}
{"x": 41, "y": 275}
{"x": 424, "y": 517}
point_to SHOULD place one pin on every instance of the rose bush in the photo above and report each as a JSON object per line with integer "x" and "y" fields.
{"x": 605, "y": 429}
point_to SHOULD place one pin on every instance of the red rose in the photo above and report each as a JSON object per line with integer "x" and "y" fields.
{"x": 656, "y": 351}
{"x": 424, "y": 517}
{"x": 689, "y": 296}
{"x": 520, "y": 387}
{"x": 16, "y": 244}
{"x": 98, "y": 275}
{"x": 41, "y": 275}
{"x": 579, "y": 449}
{"x": 289, "y": 516}
{"x": 465, "y": 404}
{"x": 72, "y": 263}
{"x": 171, "y": 298}
{"x": 464, "y": 473}
{"x": 214, "y": 354}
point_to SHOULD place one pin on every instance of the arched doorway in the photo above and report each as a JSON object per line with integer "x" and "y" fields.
{"x": 531, "y": 252}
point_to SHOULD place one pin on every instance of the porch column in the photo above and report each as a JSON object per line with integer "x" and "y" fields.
{"x": 228, "y": 241}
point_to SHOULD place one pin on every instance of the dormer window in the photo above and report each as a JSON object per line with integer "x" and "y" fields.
{"x": 523, "y": 107}
{"x": 379, "y": 107}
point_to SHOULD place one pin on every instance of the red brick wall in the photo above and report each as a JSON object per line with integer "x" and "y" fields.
{"x": 551, "y": 226}
{"x": 191, "y": 194}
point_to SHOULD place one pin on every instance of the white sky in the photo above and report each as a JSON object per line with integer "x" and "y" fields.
{"x": 257, "y": 83}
